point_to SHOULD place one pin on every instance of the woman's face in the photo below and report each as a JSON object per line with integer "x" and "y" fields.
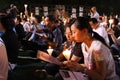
{"x": 77, "y": 34}
{"x": 68, "y": 34}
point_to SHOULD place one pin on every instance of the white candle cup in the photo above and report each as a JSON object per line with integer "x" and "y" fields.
{"x": 67, "y": 54}
{"x": 31, "y": 15}
{"x": 110, "y": 21}
{"x": 50, "y": 51}
{"x": 25, "y": 5}
{"x": 116, "y": 16}
{"x": 21, "y": 14}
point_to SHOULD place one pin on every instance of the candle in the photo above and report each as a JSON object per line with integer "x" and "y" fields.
{"x": 110, "y": 21}
{"x": 25, "y": 5}
{"x": 21, "y": 14}
{"x": 28, "y": 19}
{"x": 50, "y": 51}
{"x": 31, "y": 15}
{"x": 67, "y": 54}
{"x": 116, "y": 16}
{"x": 24, "y": 16}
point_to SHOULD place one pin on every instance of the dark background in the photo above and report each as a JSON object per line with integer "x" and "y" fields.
{"x": 104, "y": 6}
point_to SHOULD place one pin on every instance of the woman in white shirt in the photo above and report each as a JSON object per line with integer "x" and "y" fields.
{"x": 3, "y": 61}
{"x": 98, "y": 61}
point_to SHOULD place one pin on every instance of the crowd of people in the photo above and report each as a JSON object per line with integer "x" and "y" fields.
{"x": 93, "y": 43}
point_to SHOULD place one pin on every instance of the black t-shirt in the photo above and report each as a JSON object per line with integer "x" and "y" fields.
{"x": 116, "y": 29}
{"x": 11, "y": 43}
{"x": 20, "y": 31}
{"x": 77, "y": 51}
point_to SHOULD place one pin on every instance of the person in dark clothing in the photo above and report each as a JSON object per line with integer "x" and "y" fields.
{"x": 57, "y": 35}
{"x": 19, "y": 28}
{"x": 61, "y": 26}
{"x": 9, "y": 38}
{"x": 116, "y": 27}
{"x": 13, "y": 11}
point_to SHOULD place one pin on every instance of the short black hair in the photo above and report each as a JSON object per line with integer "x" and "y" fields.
{"x": 39, "y": 18}
{"x": 51, "y": 18}
{"x": 116, "y": 21}
{"x": 7, "y": 22}
{"x": 25, "y": 19}
{"x": 19, "y": 19}
{"x": 94, "y": 20}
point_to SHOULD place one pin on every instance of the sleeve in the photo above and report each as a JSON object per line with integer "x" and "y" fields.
{"x": 97, "y": 55}
{"x": 98, "y": 52}
{"x": 77, "y": 50}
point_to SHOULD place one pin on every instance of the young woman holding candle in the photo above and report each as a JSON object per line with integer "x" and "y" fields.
{"x": 98, "y": 61}
{"x": 72, "y": 50}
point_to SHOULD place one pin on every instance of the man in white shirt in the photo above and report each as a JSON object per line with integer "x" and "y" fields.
{"x": 99, "y": 29}
{"x": 94, "y": 13}
{"x": 3, "y": 61}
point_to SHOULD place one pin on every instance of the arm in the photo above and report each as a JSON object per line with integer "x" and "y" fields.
{"x": 95, "y": 74}
{"x": 99, "y": 72}
{"x": 38, "y": 28}
{"x": 100, "y": 66}
{"x": 60, "y": 57}
{"x": 115, "y": 40}
{"x": 75, "y": 58}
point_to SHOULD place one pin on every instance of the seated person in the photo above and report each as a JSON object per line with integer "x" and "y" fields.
{"x": 98, "y": 60}
{"x": 3, "y": 61}
{"x": 74, "y": 48}
{"x": 115, "y": 48}
{"x": 99, "y": 29}
{"x": 9, "y": 37}
{"x": 19, "y": 28}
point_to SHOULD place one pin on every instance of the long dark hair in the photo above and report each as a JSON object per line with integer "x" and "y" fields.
{"x": 68, "y": 25}
{"x": 82, "y": 23}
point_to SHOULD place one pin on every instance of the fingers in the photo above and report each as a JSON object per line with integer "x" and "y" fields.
{"x": 74, "y": 66}
{"x": 110, "y": 31}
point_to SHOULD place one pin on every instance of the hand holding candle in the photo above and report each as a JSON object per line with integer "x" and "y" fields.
{"x": 50, "y": 51}
{"x": 25, "y": 5}
{"x": 31, "y": 15}
{"x": 67, "y": 54}
{"x": 110, "y": 21}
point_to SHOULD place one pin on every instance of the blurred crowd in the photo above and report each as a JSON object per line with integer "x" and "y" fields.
{"x": 93, "y": 42}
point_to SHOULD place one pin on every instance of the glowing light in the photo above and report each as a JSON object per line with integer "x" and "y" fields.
{"x": 50, "y": 51}
{"x": 67, "y": 54}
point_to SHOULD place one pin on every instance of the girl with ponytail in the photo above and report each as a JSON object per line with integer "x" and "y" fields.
{"x": 98, "y": 60}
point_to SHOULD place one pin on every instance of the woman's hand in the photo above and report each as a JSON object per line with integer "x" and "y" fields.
{"x": 110, "y": 31}
{"x": 62, "y": 64}
{"x": 74, "y": 66}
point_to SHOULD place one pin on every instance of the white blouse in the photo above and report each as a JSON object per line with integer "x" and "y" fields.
{"x": 99, "y": 52}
